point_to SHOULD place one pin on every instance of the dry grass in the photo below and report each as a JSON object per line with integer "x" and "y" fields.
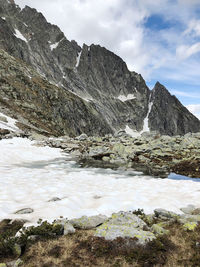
{"x": 178, "y": 249}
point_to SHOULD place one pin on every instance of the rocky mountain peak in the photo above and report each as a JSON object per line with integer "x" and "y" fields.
{"x": 96, "y": 75}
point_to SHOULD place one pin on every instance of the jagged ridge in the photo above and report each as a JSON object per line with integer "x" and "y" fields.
{"x": 93, "y": 73}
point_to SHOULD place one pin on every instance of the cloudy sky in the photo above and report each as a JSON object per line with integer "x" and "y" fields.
{"x": 158, "y": 38}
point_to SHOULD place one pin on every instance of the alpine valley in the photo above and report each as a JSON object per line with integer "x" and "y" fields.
{"x": 96, "y": 169}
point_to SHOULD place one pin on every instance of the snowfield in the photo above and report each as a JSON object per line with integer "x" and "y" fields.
{"x": 30, "y": 176}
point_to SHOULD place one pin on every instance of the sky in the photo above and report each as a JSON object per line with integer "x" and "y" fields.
{"x": 160, "y": 39}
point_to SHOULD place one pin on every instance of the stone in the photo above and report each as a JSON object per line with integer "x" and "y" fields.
{"x": 196, "y": 211}
{"x": 24, "y": 211}
{"x": 69, "y": 229}
{"x": 4, "y": 119}
{"x": 88, "y": 222}
{"x": 128, "y": 219}
{"x": 125, "y": 225}
{"x": 111, "y": 232}
{"x": 54, "y": 199}
{"x": 188, "y": 210}
{"x": 82, "y": 137}
{"x": 18, "y": 263}
{"x": 164, "y": 213}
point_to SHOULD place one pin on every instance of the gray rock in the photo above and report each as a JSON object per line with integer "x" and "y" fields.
{"x": 82, "y": 137}
{"x": 54, "y": 199}
{"x": 24, "y": 211}
{"x": 88, "y": 222}
{"x": 188, "y": 210}
{"x": 165, "y": 214}
{"x": 4, "y": 119}
{"x": 123, "y": 225}
{"x": 68, "y": 229}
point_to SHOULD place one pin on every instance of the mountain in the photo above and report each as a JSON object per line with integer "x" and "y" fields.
{"x": 107, "y": 97}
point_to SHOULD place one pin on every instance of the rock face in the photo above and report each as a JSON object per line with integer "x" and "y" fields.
{"x": 100, "y": 81}
{"x": 168, "y": 115}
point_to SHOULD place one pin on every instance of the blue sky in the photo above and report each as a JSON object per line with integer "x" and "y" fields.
{"x": 158, "y": 38}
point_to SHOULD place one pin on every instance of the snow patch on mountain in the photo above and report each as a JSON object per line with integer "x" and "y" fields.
{"x": 78, "y": 59}
{"x": 8, "y": 123}
{"x": 124, "y": 98}
{"x": 19, "y": 35}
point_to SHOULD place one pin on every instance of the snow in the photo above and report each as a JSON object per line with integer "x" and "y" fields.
{"x": 9, "y": 125}
{"x": 19, "y": 35}
{"x": 146, "y": 120}
{"x": 78, "y": 59}
{"x": 124, "y": 98}
{"x": 32, "y": 175}
{"x": 55, "y": 45}
{"x": 3, "y": 18}
{"x": 131, "y": 132}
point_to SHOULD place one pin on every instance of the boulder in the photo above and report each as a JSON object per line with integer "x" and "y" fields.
{"x": 24, "y": 211}
{"x": 165, "y": 214}
{"x": 125, "y": 225}
{"x": 188, "y": 210}
{"x": 68, "y": 229}
{"x": 88, "y": 222}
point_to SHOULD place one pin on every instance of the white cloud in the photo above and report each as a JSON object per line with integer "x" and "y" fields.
{"x": 186, "y": 51}
{"x": 195, "y": 109}
{"x": 193, "y": 28}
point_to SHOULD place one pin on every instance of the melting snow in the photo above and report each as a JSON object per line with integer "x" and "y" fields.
{"x": 131, "y": 132}
{"x": 31, "y": 176}
{"x": 146, "y": 120}
{"x": 9, "y": 125}
{"x": 3, "y": 18}
{"x": 78, "y": 59}
{"x": 124, "y": 98}
{"x": 54, "y": 46}
{"x": 19, "y": 35}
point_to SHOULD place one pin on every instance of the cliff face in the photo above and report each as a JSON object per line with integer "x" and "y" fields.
{"x": 43, "y": 107}
{"x": 94, "y": 75}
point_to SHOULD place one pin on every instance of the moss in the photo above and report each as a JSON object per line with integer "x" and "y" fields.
{"x": 190, "y": 226}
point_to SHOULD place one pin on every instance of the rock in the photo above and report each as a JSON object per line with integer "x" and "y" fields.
{"x": 188, "y": 218}
{"x": 18, "y": 263}
{"x": 196, "y": 211}
{"x": 128, "y": 219}
{"x": 165, "y": 214}
{"x": 68, "y": 229}
{"x": 158, "y": 230}
{"x": 88, "y": 222}
{"x": 3, "y": 265}
{"x": 190, "y": 226}
{"x": 54, "y": 199}
{"x": 4, "y": 132}
{"x": 124, "y": 224}
{"x": 4, "y": 119}
{"x": 24, "y": 211}
{"x": 188, "y": 210}
{"x": 111, "y": 232}
{"x": 82, "y": 137}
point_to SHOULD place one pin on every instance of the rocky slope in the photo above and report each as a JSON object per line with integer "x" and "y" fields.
{"x": 41, "y": 106}
{"x": 119, "y": 98}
